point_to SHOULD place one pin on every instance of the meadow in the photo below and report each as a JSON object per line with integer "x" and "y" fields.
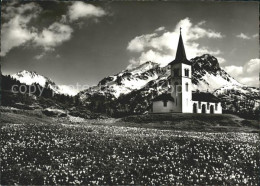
{"x": 97, "y": 155}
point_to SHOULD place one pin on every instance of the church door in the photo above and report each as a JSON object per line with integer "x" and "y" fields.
{"x": 203, "y": 109}
{"x": 211, "y": 109}
{"x": 194, "y": 108}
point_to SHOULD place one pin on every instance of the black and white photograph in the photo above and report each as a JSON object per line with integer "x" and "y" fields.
{"x": 129, "y": 93}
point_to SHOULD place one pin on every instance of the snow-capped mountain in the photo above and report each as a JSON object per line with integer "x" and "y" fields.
{"x": 133, "y": 90}
{"x": 31, "y": 77}
{"x": 207, "y": 75}
{"x": 128, "y": 80}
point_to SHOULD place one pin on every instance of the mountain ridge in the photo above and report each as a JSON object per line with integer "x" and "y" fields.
{"x": 31, "y": 77}
{"x": 131, "y": 91}
{"x": 151, "y": 72}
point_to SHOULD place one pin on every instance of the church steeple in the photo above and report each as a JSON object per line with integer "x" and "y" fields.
{"x": 180, "y": 54}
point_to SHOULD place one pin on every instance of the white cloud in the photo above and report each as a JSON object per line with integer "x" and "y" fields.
{"x": 38, "y": 57}
{"x": 251, "y": 81}
{"x": 162, "y": 46}
{"x": 242, "y": 36}
{"x": 221, "y": 60}
{"x": 80, "y": 9}
{"x": 15, "y": 32}
{"x": 234, "y": 71}
{"x": 252, "y": 66}
{"x": 160, "y": 29}
{"x": 247, "y": 74}
{"x": 53, "y": 36}
{"x": 255, "y": 35}
{"x": 247, "y": 37}
{"x": 139, "y": 43}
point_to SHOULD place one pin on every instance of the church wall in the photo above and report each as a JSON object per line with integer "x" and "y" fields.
{"x": 207, "y": 109}
{"x": 186, "y": 95}
{"x": 176, "y": 94}
{"x": 158, "y": 107}
{"x": 219, "y": 109}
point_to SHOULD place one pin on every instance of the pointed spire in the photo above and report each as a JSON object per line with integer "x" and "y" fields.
{"x": 180, "y": 54}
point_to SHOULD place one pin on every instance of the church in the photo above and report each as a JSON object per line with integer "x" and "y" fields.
{"x": 181, "y": 98}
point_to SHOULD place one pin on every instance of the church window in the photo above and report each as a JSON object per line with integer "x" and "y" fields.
{"x": 187, "y": 87}
{"x": 207, "y": 106}
{"x": 175, "y": 86}
{"x": 199, "y": 104}
{"x": 176, "y": 72}
{"x": 216, "y": 106}
{"x": 186, "y": 72}
{"x": 165, "y": 103}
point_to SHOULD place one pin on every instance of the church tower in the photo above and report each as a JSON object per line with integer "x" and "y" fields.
{"x": 181, "y": 80}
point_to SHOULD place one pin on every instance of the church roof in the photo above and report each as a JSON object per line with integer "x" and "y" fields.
{"x": 181, "y": 54}
{"x": 164, "y": 97}
{"x": 204, "y": 96}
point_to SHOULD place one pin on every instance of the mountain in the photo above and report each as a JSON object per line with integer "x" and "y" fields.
{"x": 243, "y": 100}
{"x": 31, "y": 77}
{"x": 131, "y": 91}
{"x": 208, "y": 75}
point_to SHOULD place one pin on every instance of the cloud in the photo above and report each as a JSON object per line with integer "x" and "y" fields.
{"x": 246, "y": 37}
{"x": 16, "y": 29}
{"x": 139, "y": 43}
{"x": 80, "y": 9}
{"x": 242, "y": 36}
{"x": 247, "y": 74}
{"x": 15, "y": 32}
{"x": 160, "y": 29}
{"x": 251, "y": 81}
{"x": 234, "y": 71}
{"x": 40, "y": 56}
{"x": 252, "y": 66}
{"x": 221, "y": 60}
{"x": 255, "y": 35}
{"x": 161, "y": 47}
{"x": 53, "y": 36}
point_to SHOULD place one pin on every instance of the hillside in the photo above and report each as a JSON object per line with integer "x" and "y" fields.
{"x": 193, "y": 122}
{"x": 39, "y": 101}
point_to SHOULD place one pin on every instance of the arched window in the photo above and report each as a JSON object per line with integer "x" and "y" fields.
{"x": 216, "y": 106}
{"x": 186, "y": 72}
{"x": 208, "y": 106}
{"x": 165, "y": 103}
{"x": 187, "y": 87}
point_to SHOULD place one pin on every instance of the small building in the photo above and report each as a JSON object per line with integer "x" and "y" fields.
{"x": 182, "y": 99}
{"x": 163, "y": 103}
{"x": 205, "y": 102}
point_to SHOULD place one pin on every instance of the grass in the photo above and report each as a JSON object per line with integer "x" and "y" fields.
{"x": 43, "y": 150}
{"x": 88, "y": 154}
{"x": 192, "y": 122}
{"x": 176, "y": 121}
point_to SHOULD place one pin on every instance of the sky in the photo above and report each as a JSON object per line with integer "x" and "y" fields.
{"x": 80, "y": 42}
